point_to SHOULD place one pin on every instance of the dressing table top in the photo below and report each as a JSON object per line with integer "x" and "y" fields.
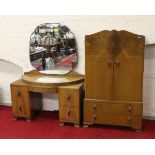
{"x": 39, "y": 79}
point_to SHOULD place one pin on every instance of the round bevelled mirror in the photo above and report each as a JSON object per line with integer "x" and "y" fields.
{"x": 53, "y": 49}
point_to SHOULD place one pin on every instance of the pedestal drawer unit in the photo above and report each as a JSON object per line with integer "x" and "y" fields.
{"x": 71, "y": 104}
{"x": 24, "y": 103}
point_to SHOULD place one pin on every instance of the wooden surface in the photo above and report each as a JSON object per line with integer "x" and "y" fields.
{"x": 112, "y": 113}
{"x": 27, "y": 93}
{"x": 128, "y": 74}
{"x": 20, "y": 100}
{"x": 38, "y": 79}
{"x": 71, "y": 104}
{"x": 24, "y": 103}
{"x": 114, "y": 72}
{"x": 98, "y": 67}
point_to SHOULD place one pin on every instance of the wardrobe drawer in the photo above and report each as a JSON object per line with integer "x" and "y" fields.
{"x": 114, "y": 113}
{"x": 116, "y": 108}
{"x": 119, "y": 108}
{"x": 125, "y": 120}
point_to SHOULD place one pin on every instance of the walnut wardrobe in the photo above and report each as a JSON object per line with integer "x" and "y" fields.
{"x": 114, "y": 79}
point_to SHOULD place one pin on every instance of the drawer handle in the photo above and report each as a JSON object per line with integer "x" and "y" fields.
{"x": 130, "y": 109}
{"x": 109, "y": 62}
{"x": 94, "y": 116}
{"x": 129, "y": 119}
{"x": 69, "y": 112}
{"x": 20, "y": 108}
{"x": 117, "y": 63}
{"x": 19, "y": 94}
{"x": 94, "y": 106}
{"x": 68, "y": 97}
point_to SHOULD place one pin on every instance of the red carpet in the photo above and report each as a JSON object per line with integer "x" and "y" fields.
{"x": 46, "y": 126}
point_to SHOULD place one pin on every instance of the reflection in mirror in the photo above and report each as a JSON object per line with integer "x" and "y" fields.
{"x": 53, "y": 49}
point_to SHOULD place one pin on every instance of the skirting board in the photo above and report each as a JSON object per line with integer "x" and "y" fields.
{"x": 149, "y": 117}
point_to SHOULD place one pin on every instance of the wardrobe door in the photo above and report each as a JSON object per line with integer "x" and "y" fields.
{"x": 99, "y": 66}
{"x": 128, "y": 67}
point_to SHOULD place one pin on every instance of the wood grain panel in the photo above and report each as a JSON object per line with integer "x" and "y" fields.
{"x": 20, "y": 101}
{"x": 99, "y": 67}
{"x": 114, "y": 78}
{"x": 128, "y": 67}
{"x": 71, "y": 104}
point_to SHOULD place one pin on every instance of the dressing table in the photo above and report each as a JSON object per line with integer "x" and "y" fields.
{"x": 53, "y": 53}
{"x": 27, "y": 92}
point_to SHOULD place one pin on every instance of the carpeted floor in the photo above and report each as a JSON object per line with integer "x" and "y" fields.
{"x": 46, "y": 126}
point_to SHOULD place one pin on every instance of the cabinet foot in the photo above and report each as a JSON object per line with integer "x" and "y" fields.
{"x": 28, "y": 119}
{"x": 85, "y": 126}
{"x": 15, "y": 118}
{"x": 76, "y": 125}
{"x": 138, "y": 130}
{"x": 61, "y": 124}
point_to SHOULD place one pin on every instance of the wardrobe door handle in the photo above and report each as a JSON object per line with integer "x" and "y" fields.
{"x": 117, "y": 63}
{"x": 109, "y": 62}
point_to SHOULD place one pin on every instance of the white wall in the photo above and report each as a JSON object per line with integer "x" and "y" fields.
{"x": 9, "y": 72}
{"x": 15, "y": 32}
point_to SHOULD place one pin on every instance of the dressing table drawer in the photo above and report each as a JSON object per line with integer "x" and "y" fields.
{"x": 20, "y": 100}
{"x": 23, "y": 101}
{"x": 69, "y": 114}
{"x": 70, "y": 104}
{"x": 69, "y": 97}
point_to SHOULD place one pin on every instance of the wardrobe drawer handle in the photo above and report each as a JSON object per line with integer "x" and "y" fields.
{"x": 129, "y": 119}
{"x": 129, "y": 108}
{"x": 94, "y": 116}
{"x": 94, "y": 106}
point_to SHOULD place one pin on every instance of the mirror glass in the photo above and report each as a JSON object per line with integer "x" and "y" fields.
{"x": 53, "y": 49}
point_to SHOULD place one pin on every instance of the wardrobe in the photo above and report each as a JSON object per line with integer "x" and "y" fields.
{"x": 114, "y": 64}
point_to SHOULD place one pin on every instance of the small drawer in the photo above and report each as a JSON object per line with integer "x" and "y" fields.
{"x": 71, "y": 103}
{"x": 68, "y": 97}
{"x": 19, "y": 92}
{"x": 116, "y": 108}
{"x": 20, "y": 101}
{"x": 120, "y": 108}
{"x": 69, "y": 114}
{"x": 108, "y": 119}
